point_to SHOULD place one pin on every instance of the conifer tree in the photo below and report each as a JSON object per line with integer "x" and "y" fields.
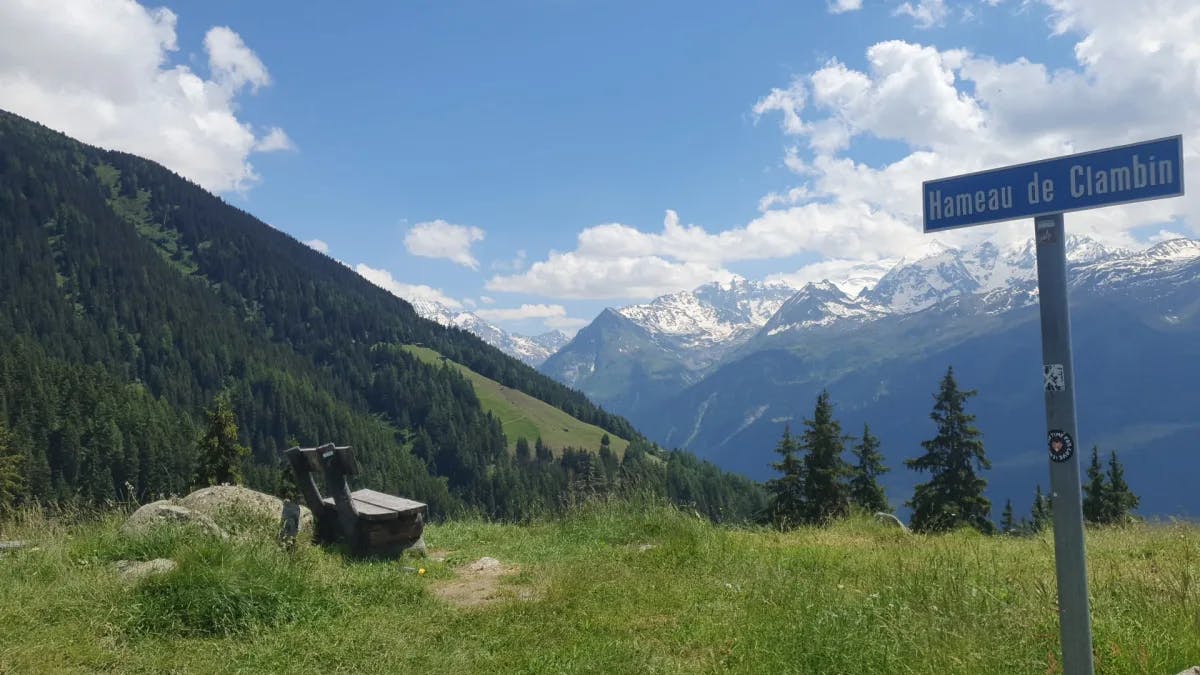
{"x": 219, "y": 455}
{"x": 954, "y": 494}
{"x": 522, "y": 452}
{"x": 826, "y": 493}
{"x": 1095, "y": 492}
{"x": 865, "y": 490}
{"x": 12, "y": 478}
{"x": 785, "y": 502}
{"x": 1007, "y": 526}
{"x": 1120, "y": 500}
{"x": 1041, "y": 514}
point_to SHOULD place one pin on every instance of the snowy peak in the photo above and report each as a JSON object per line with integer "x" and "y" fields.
{"x": 531, "y": 350}
{"x": 1173, "y": 250}
{"x": 948, "y": 272}
{"x": 914, "y": 286}
{"x": 552, "y": 341}
{"x": 819, "y": 304}
{"x": 715, "y": 313}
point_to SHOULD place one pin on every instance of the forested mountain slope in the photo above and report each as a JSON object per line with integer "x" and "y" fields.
{"x": 130, "y": 297}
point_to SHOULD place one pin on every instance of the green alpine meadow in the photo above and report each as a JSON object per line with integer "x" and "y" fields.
{"x": 610, "y": 586}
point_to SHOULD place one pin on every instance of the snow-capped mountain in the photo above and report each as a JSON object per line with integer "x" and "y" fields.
{"x": 719, "y": 314}
{"x": 634, "y": 354}
{"x": 915, "y": 285}
{"x": 532, "y": 350}
{"x": 819, "y": 304}
{"x": 673, "y": 341}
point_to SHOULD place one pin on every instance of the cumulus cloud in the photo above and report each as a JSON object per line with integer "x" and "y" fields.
{"x": 318, "y": 245}
{"x": 100, "y": 70}
{"x": 440, "y": 239}
{"x": 789, "y": 102}
{"x": 952, "y": 111}
{"x": 841, "y": 6}
{"x": 926, "y": 13}
{"x": 567, "y": 324}
{"x": 851, "y": 276}
{"x": 1135, "y": 77}
{"x": 523, "y": 312}
{"x": 581, "y": 276}
{"x": 383, "y": 279}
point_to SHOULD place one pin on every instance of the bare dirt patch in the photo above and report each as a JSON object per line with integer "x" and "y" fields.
{"x": 483, "y": 583}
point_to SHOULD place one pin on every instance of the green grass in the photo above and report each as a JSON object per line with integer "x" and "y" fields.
{"x": 523, "y": 416}
{"x": 855, "y": 598}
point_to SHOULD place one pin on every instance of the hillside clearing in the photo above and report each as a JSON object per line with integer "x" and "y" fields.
{"x": 586, "y": 594}
{"x": 523, "y": 416}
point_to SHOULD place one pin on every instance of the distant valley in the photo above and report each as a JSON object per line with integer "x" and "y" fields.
{"x": 720, "y": 370}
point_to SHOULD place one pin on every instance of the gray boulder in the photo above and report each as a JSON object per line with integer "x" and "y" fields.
{"x": 164, "y": 512}
{"x": 239, "y": 508}
{"x": 136, "y": 570}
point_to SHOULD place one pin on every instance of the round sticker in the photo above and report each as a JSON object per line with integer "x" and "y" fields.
{"x": 1061, "y": 446}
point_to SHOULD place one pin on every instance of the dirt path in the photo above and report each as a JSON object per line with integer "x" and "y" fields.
{"x": 481, "y": 583}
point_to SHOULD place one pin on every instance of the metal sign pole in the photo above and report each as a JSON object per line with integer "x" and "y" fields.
{"x": 1075, "y": 628}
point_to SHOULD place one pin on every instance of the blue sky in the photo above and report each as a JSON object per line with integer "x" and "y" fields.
{"x": 520, "y": 158}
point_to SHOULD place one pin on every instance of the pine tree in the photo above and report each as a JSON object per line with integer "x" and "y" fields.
{"x": 826, "y": 493}
{"x": 12, "y": 474}
{"x": 1007, "y": 526}
{"x": 219, "y": 455}
{"x": 954, "y": 494}
{"x": 1120, "y": 500}
{"x": 865, "y": 490}
{"x": 785, "y": 504}
{"x": 1041, "y": 513}
{"x": 1095, "y": 492}
{"x": 523, "y": 453}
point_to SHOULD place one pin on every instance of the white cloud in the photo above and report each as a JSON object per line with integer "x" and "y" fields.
{"x": 574, "y": 275}
{"x": 566, "y": 324}
{"x": 383, "y": 279}
{"x": 789, "y": 102}
{"x": 523, "y": 312}
{"x": 926, "y": 13}
{"x": 318, "y": 245}
{"x": 1135, "y": 77}
{"x": 231, "y": 63}
{"x": 440, "y": 239}
{"x": 1164, "y": 235}
{"x": 487, "y": 300}
{"x": 274, "y": 141}
{"x": 850, "y": 275}
{"x": 99, "y": 70}
{"x": 840, "y": 6}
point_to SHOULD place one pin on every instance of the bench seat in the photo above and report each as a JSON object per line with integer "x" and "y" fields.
{"x": 372, "y": 505}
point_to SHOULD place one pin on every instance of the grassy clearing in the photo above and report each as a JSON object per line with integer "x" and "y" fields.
{"x": 522, "y": 415}
{"x": 853, "y": 598}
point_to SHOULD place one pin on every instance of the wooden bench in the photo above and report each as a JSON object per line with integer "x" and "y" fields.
{"x": 372, "y": 523}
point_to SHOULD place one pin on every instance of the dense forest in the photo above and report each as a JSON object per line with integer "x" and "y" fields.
{"x": 130, "y": 298}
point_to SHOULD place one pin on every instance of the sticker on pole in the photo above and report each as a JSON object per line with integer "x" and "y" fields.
{"x": 1061, "y": 446}
{"x": 1055, "y": 377}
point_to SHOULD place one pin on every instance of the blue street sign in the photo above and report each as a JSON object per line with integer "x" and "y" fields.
{"x": 1128, "y": 173}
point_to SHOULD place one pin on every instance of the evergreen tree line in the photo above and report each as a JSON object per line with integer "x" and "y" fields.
{"x": 1107, "y": 500}
{"x": 816, "y": 485}
{"x": 136, "y": 306}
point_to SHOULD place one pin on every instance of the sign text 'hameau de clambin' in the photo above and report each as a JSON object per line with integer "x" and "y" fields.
{"x": 1129, "y": 173}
